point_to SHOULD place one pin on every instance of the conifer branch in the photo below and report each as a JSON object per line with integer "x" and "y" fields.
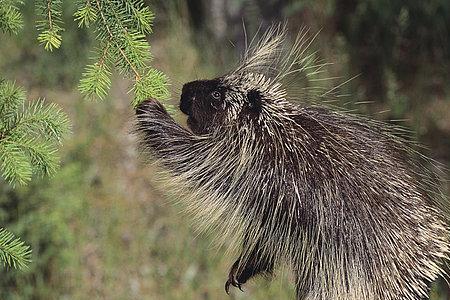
{"x": 121, "y": 25}
{"x": 13, "y": 252}
{"x": 29, "y": 135}
{"x": 85, "y": 14}
{"x": 50, "y": 26}
{"x": 112, "y": 38}
{"x": 10, "y": 18}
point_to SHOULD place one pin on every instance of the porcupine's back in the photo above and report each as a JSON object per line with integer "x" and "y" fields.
{"x": 357, "y": 211}
{"x": 369, "y": 211}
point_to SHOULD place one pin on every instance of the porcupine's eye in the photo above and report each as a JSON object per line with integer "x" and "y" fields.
{"x": 215, "y": 95}
{"x": 216, "y": 99}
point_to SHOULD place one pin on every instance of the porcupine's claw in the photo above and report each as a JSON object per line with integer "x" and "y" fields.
{"x": 232, "y": 280}
{"x": 234, "y": 283}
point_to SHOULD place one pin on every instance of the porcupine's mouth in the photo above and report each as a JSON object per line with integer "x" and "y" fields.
{"x": 194, "y": 126}
{"x": 185, "y": 107}
{"x": 191, "y": 122}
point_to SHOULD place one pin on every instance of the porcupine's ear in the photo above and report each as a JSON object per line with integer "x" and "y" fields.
{"x": 255, "y": 101}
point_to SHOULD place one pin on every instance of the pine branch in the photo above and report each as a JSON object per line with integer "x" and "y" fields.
{"x": 11, "y": 98}
{"x": 14, "y": 163}
{"x": 50, "y": 26}
{"x": 121, "y": 27}
{"x": 29, "y": 135}
{"x": 41, "y": 155}
{"x": 37, "y": 119}
{"x": 151, "y": 84}
{"x": 121, "y": 38}
{"x": 10, "y": 18}
{"x": 13, "y": 252}
{"x": 86, "y": 14}
{"x": 96, "y": 80}
{"x": 141, "y": 14}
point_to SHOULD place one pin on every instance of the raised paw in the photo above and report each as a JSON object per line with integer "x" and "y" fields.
{"x": 233, "y": 279}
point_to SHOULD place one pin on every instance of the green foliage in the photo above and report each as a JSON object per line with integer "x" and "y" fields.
{"x": 21, "y": 53}
{"x": 13, "y": 252}
{"x": 29, "y": 135}
{"x": 151, "y": 84}
{"x": 85, "y": 15}
{"x": 49, "y": 26}
{"x": 120, "y": 26}
{"x": 96, "y": 79}
{"x": 10, "y": 17}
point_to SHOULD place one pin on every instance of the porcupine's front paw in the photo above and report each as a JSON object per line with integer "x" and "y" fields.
{"x": 233, "y": 278}
{"x": 150, "y": 107}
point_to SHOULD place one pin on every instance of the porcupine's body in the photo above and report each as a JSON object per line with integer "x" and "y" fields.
{"x": 340, "y": 199}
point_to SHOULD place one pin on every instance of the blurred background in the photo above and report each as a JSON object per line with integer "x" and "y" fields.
{"x": 102, "y": 227}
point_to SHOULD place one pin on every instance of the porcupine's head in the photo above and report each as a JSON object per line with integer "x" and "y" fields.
{"x": 251, "y": 92}
{"x": 211, "y": 104}
{"x": 203, "y": 101}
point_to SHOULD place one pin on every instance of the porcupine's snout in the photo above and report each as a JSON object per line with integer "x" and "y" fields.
{"x": 191, "y": 98}
{"x": 186, "y": 103}
{"x": 188, "y": 96}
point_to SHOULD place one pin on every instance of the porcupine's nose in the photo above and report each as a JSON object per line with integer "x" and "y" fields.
{"x": 188, "y": 95}
{"x": 186, "y": 103}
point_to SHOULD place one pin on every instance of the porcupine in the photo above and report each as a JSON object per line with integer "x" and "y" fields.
{"x": 342, "y": 200}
